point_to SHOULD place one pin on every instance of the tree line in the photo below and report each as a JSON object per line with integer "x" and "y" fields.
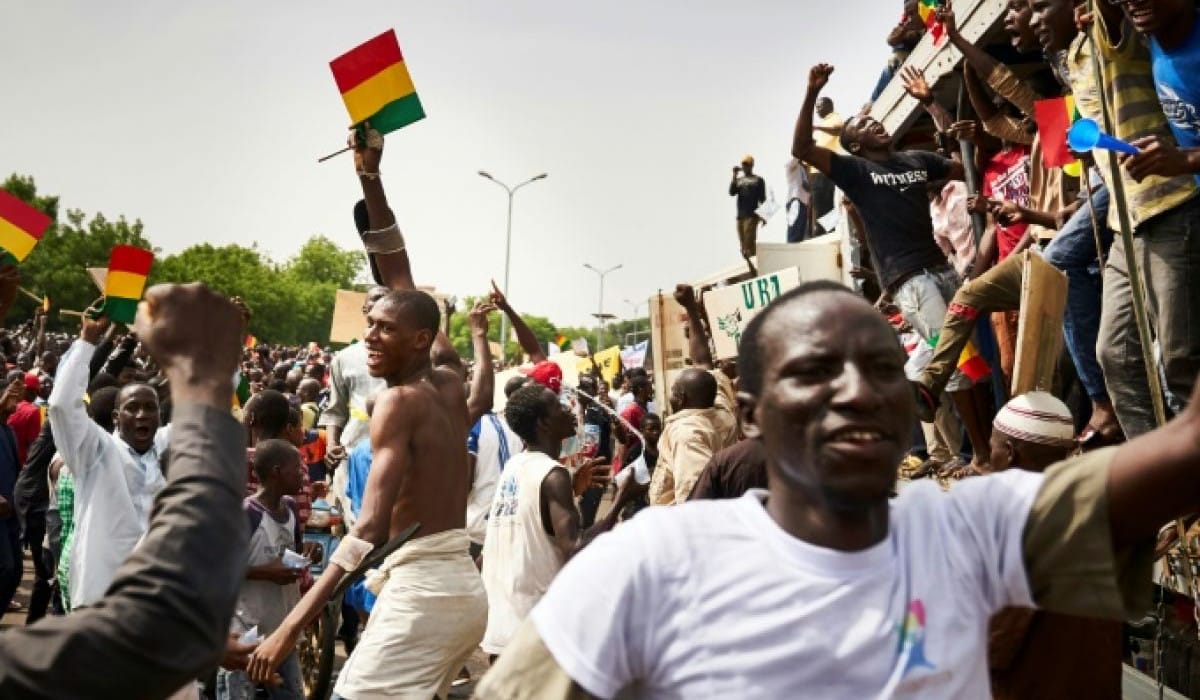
{"x": 291, "y": 301}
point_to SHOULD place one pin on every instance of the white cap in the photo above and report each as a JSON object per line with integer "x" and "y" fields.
{"x": 1037, "y": 417}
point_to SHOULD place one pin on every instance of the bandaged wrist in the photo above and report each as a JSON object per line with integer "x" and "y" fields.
{"x": 383, "y": 240}
{"x": 351, "y": 552}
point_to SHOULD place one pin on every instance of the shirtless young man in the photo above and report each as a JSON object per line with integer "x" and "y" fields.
{"x": 432, "y": 609}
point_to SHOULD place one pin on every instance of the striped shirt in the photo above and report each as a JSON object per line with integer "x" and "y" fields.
{"x": 1135, "y": 112}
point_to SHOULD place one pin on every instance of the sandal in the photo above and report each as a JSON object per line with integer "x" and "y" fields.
{"x": 1093, "y": 438}
{"x": 929, "y": 469}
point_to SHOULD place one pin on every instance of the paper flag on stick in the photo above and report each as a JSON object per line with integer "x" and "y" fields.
{"x": 1086, "y": 135}
{"x": 127, "y": 270}
{"x": 376, "y": 86}
{"x": 1054, "y": 117}
{"x": 21, "y": 227}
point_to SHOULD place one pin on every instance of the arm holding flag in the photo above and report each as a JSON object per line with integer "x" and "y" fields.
{"x": 388, "y": 254}
{"x": 76, "y": 435}
{"x": 385, "y": 246}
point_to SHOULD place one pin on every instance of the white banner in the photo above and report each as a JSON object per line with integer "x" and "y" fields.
{"x": 731, "y": 308}
{"x": 635, "y": 356}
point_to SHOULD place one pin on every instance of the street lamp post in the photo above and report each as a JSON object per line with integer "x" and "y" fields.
{"x": 636, "y": 329}
{"x": 507, "y": 248}
{"x": 600, "y": 310}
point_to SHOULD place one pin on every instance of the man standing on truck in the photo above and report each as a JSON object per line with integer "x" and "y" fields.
{"x": 888, "y": 189}
{"x": 751, "y": 191}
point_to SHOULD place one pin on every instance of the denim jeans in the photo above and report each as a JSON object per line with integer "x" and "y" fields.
{"x": 1073, "y": 251}
{"x": 1167, "y": 251}
{"x": 235, "y": 685}
{"x": 898, "y": 57}
{"x": 923, "y": 300}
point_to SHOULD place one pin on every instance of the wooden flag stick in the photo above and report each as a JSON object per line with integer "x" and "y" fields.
{"x": 335, "y": 153}
{"x": 30, "y": 294}
{"x": 68, "y": 312}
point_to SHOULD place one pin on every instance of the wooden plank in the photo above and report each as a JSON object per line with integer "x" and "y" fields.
{"x": 1040, "y": 331}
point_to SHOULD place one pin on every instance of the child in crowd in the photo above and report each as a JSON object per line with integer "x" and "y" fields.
{"x": 272, "y": 587}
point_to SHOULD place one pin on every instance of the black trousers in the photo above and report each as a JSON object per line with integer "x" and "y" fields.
{"x": 11, "y": 564}
{"x": 822, "y": 195}
{"x": 43, "y": 565}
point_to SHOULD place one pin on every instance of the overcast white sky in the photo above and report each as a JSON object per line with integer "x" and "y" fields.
{"x": 205, "y": 119}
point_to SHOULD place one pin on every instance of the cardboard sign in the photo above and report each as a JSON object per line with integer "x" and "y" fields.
{"x": 1040, "y": 332}
{"x": 669, "y": 347}
{"x": 348, "y": 322}
{"x": 731, "y": 308}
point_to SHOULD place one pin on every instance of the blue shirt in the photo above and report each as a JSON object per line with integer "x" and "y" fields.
{"x": 1177, "y": 80}
{"x": 359, "y": 464}
{"x": 358, "y": 461}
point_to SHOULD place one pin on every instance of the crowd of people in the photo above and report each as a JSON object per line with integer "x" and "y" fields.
{"x": 749, "y": 536}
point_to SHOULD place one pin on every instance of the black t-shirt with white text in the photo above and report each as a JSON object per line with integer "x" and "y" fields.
{"x": 890, "y": 197}
{"x": 751, "y": 191}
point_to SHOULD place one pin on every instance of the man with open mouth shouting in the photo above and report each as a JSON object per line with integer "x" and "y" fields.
{"x": 116, "y": 475}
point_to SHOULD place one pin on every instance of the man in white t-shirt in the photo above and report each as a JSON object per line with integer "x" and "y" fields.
{"x": 533, "y": 527}
{"x": 799, "y": 197}
{"x": 822, "y": 585}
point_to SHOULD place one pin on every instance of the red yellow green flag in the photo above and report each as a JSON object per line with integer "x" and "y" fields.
{"x": 562, "y": 341}
{"x": 21, "y": 227}
{"x": 1054, "y": 118}
{"x": 128, "y": 267}
{"x": 972, "y": 364}
{"x": 927, "y": 9}
{"x": 375, "y": 85}
{"x": 251, "y": 342}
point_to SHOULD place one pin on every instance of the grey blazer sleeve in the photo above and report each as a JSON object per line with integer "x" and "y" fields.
{"x": 165, "y": 618}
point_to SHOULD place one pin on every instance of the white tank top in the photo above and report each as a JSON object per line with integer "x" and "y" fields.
{"x": 519, "y": 558}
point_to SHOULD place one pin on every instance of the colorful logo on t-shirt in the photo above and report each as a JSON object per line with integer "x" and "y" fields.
{"x": 912, "y": 638}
